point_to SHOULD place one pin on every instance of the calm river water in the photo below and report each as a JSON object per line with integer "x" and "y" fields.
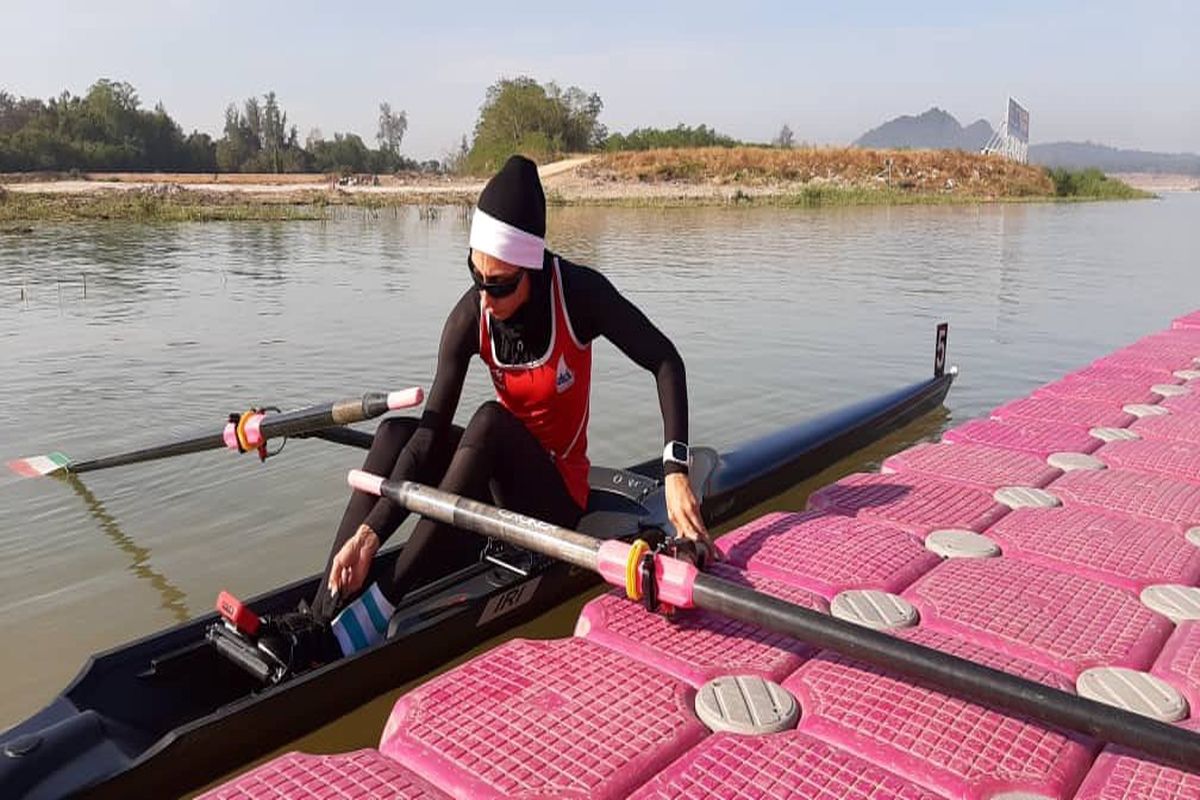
{"x": 116, "y": 335}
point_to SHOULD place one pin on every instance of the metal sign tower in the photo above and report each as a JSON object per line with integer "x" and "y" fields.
{"x": 1012, "y": 138}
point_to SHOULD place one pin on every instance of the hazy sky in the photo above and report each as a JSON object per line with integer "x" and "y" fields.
{"x": 1126, "y": 74}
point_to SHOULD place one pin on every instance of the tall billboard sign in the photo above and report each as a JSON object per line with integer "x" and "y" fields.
{"x": 1018, "y": 122}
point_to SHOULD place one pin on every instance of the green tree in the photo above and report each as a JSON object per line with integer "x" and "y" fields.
{"x": 522, "y": 115}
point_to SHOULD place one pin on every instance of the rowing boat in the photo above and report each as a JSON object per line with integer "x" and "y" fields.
{"x": 169, "y": 712}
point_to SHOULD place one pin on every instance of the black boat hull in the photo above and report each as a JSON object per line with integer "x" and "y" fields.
{"x": 164, "y": 714}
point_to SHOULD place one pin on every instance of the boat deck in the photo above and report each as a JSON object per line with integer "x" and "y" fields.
{"x": 1060, "y": 535}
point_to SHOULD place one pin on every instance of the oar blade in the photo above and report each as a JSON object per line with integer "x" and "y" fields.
{"x": 38, "y": 466}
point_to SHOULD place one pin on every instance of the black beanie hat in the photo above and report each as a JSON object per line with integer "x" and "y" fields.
{"x": 509, "y": 222}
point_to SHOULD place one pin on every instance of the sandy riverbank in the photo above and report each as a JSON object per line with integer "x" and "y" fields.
{"x": 705, "y": 176}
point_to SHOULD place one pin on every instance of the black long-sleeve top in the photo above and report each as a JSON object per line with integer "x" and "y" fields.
{"x": 595, "y": 308}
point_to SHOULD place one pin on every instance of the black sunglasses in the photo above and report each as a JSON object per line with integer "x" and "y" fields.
{"x": 496, "y": 289}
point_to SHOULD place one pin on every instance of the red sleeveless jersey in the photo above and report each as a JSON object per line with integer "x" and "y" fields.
{"x": 550, "y": 395}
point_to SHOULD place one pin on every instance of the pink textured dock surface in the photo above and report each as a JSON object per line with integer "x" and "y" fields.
{"x": 696, "y": 646}
{"x": 1028, "y": 436}
{"x": 1178, "y": 427}
{"x": 1173, "y": 459}
{"x": 783, "y": 766}
{"x": 1062, "y": 621}
{"x": 828, "y": 553}
{"x": 1114, "y": 548}
{"x": 1118, "y": 392}
{"x": 347, "y": 776}
{"x": 1179, "y": 664}
{"x": 1121, "y": 775}
{"x": 951, "y": 745}
{"x": 1149, "y": 359}
{"x": 566, "y": 718}
{"x": 1137, "y": 493}
{"x": 915, "y": 503}
{"x": 1114, "y": 372}
{"x": 1187, "y": 321}
{"x": 1088, "y": 413}
{"x": 1185, "y": 403}
{"x": 974, "y": 465}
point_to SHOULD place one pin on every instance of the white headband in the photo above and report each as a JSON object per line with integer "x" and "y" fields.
{"x": 506, "y": 242}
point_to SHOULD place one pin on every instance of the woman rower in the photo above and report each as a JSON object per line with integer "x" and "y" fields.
{"x": 531, "y": 316}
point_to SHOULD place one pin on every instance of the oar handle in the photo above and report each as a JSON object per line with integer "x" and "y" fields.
{"x": 682, "y": 586}
{"x": 253, "y": 428}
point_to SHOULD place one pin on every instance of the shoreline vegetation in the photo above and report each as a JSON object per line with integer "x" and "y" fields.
{"x": 669, "y": 177}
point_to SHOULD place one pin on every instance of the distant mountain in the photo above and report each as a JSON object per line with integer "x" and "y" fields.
{"x": 939, "y": 130}
{"x": 933, "y": 130}
{"x": 1079, "y": 155}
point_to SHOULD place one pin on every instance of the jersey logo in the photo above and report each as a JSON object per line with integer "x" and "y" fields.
{"x": 563, "y": 379}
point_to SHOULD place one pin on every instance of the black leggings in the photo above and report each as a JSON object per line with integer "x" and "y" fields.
{"x": 496, "y": 460}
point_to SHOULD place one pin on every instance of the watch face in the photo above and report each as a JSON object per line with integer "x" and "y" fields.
{"x": 679, "y": 452}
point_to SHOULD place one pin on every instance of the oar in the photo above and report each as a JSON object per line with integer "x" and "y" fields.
{"x": 247, "y": 431}
{"x": 683, "y": 586}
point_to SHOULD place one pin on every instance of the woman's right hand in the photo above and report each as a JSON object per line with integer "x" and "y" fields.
{"x": 353, "y": 562}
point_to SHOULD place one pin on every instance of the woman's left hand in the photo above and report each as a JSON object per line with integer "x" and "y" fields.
{"x": 683, "y": 510}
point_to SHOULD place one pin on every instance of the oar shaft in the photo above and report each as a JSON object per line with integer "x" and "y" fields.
{"x": 270, "y": 426}
{"x": 681, "y": 585}
{"x": 958, "y": 676}
{"x": 559, "y": 543}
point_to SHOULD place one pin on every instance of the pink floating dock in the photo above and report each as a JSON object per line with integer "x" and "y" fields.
{"x": 1065, "y": 622}
{"x": 1138, "y": 494}
{"x": 1120, "y": 775}
{"x": 362, "y": 775}
{"x": 697, "y": 646}
{"x": 973, "y": 465}
{"x": 1124, "y": 551}
{"x": 1174, "y": 427}
{"x": 950, "y": 745}
{"x": 828, "y": 553}
{"x": 564, "y": 718}
{"x": 1045, "y": 593}
{"x": 915, "y": 503}
{"x": 1170, "y": 458}
{"x": 782, "y": 766}
{"x": 1028, "y": 436}
{"x": 1072, "y": 411}
{"x": 1120, "y": 393}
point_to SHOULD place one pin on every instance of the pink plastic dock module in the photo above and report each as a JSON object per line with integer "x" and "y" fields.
{"x": 1119, "y": 392}
{"x": 1187, "y": 321}
{"x": 1115, "y": 372}
{"x": 347, "y": 776}
{"x": 959, "y": 748}
{"x": 562, "y": 718}
{"x": 1173, "y": 459}
{"x": 782, "y": 766}
{"x": 1137, "y": 493}
{"x": 1179, "y": 664}
{"x": 828, "y": 553}
{"x": 915, "y": 503}
{"x": 1064, "y": 622}
{"x": 1150, "y": 359}
{"x": 1185, "y": 404}
{"x": 973, "y": 465}
{"x": 1121, "y": 775}
{"x": 1117, "y": 549}
{"x": 1028, "y": 436}
{"x": 1177, "y": 427}
{"x": 697, "y": 646}
{"x": 1089, "y": 413}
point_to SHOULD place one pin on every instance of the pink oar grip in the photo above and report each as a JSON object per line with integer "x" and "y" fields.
{"x": 364, "y": 482}
{"x": 229, "y": 435}
{"x": 405, "y": 398}
{"x": 675, "y": 578}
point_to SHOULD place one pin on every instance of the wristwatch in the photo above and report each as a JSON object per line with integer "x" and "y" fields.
{"x": 677, "y": 453}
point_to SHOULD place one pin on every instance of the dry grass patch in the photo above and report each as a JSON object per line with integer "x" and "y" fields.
{"x": 919, "y": 171}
